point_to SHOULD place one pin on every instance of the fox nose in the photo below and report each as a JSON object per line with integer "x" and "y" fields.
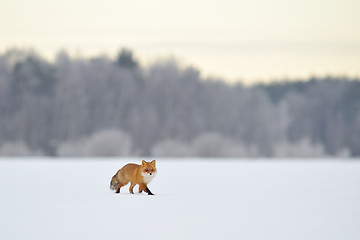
{"x": 150, "y": 173}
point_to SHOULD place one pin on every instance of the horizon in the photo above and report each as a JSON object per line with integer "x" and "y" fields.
{"x": 182, "y": 65}
{"x": 255, "y": 42}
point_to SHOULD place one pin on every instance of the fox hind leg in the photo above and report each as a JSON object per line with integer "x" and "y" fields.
{"x": 118, "y": 188}
{"x": 120, "y": 185}
{"x": 132, "y": 185}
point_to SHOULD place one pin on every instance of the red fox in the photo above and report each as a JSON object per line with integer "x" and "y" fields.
{"x": 136, "y": 174}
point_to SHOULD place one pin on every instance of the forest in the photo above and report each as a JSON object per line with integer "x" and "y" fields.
{"x": 103, "y": 106}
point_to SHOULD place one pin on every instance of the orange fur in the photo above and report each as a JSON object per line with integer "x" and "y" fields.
{"x": 135, "y": 174}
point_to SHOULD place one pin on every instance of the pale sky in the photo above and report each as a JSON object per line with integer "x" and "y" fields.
{"x": 257, "y": 40}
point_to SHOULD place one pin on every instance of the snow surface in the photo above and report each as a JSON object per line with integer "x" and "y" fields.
{"x": 194, "y": 199}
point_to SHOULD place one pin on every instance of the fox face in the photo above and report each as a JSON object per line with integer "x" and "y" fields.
{"x": 148, "y": 170}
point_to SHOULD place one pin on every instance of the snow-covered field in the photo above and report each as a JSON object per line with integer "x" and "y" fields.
{"x": 194, "y": 199}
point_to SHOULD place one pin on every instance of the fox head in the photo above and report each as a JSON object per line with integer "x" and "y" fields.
{"x": 148, "y": 168}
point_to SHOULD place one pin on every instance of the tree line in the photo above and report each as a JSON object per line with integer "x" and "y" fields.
{"x": 102, "y": 106}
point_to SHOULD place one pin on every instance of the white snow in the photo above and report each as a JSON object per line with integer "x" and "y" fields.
{"x": 194, "y": 199}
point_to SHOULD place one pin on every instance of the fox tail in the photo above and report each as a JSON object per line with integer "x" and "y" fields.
{"x": 114, "y": 183}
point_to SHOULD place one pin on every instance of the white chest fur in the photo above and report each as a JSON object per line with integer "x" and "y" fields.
{"x": 148, "y": 177}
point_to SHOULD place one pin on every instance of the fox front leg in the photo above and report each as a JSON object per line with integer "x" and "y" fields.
{"x": 144, "y": 188}
{"x": 148, "y": 190}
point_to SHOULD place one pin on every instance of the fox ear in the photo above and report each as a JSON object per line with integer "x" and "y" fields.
{"x": 153, "y": 162}
{"x": 143, "y": 163}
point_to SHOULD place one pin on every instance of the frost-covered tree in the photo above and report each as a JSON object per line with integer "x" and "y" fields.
{"x": 215, "y": 145}
{"x": 173, "y": 148}
{"x": 17, "y": 149}
{"x": 108, "y": 142}
{"x": 169, "y": 109}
